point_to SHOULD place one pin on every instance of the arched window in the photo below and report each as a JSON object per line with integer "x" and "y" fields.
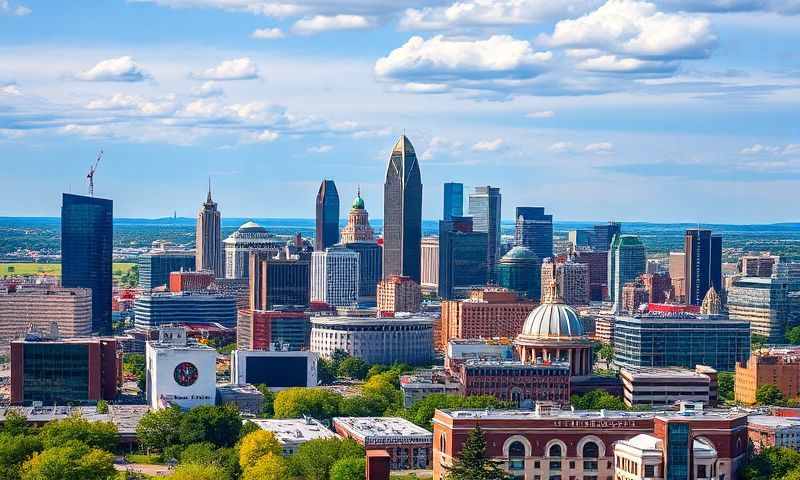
{"x": 516, "y": 456}
{"x": 590, "y": 453}
{"x": 442, "y": 443}
{"x": 555, "y": 451}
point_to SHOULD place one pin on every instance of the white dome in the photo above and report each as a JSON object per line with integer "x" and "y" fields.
{"x": 553, "y": 320}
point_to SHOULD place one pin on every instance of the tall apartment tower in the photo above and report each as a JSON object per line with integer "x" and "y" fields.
{"x": 484, "y": 206}
{"x": 534, "y": 230}
{"x": 703, "y": 264}
{"x": 86, "y": 250}
{"x": 402, "y": 213}
{"x": 453, "y": 200}
{"x": 627, "y": 259}
{"x": 677, "y": 272}
{"x": 335, "y": 276}
{"x": 327, "y": 216}
{"x": 210, "y": 255}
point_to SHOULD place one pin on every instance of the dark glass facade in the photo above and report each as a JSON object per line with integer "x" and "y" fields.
{"x": 402, "y": 213}
{"x": 154, "y": 268}
{"x": 278, "y": 281}
{"x": 151, "y": 311}
{"x": 485, "y": 208}
{"x": 56, "y": 374}
{"x": 370, "y": 266}
{"x": 462, "y": 256}
{"x": 703, "y": 265}
{"x": 521, "y": 275}
{"x": 86, "y": 252}
{"x": 534, "y": 230}
{"x": 453, "y": 201}
{"x": 603, "y": 235}
{"x": 677, "y": 451}
{"x": 327, "y": 216}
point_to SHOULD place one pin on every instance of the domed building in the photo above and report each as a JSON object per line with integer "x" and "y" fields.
{"x": 520, "y": 271}
{"x": 357, "y": 229}
{"x": 553, "y": 332}
{"x": 249, "y": 237}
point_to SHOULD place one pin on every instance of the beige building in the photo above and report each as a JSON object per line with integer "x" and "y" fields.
{"x": 572, "y": 280}
{"x": 776, "y": 366}
{"x": 69, "y": 309}
{"x": 677, "y": 272}
{"x": 430, "y": 265}
{"x": 398, "y": 294}
{"x": 357, "y": 228}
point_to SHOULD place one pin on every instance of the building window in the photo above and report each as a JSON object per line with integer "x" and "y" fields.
{"x": 590, "y": 453}
{"x": 702, "y": 471}
{"x": 555, "y": 452}
{"x": 516, "y": 456}
{"x": 649, "y": 470}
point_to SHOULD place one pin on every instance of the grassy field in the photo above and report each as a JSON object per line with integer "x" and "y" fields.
{"x": 50, "y": 269}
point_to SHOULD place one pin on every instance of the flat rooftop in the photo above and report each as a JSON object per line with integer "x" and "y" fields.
{"x": 361, "y": 321}
{"x": 773, "y": 422}
{"x": 510, "y": 364}
{"x": 709, "y": 414}
{"x": 125, "y": 417}
{"x": 384, "y": 429}
{"x": 294, "y": 430}
{"x": 660, "y": 372}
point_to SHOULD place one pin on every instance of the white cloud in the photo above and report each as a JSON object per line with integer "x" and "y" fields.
{"x": 120, "y": 69}
{"x": 601, "y": 148}
{"x": 419, "y": 87}
{"x": 208, "y": 89}
{"x": 561, "y": 147}
{"x": 323, "y": 23}
{"x": 614, "y": 64}
{"x": 541, "y": 114}
{"x": 439, "y": 146}
{"x": 320, "y": 149}
{"x": 6, "y": 8}
{"x": 267, "y": 33}
{"x": 488, "y": 145}
{"x": 84, "y": 130}
{"x": 266, "y": 136}
{"x": 10, "y": 89}
{"x": 791, "y": 149}
{"x": 119, "y": 101}
{"x": 236, "y": 69}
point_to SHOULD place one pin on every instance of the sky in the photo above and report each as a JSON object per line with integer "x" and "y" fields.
{"x": 661, "y": 111}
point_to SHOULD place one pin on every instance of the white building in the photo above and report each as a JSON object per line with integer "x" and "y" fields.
{"x": 293, "y": 432}
{"x": 179, "y": 372}
{"x": 250, "y": 237}
{"x": 665, "y": 386}
{"x": 276, "y": 369}
{"x": 335, "y": 276}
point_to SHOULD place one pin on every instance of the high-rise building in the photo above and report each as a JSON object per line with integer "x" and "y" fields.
{"x": 579, "y": 238}
{"x": 86, "y": 252}
{"x": 402, "y": 213}
{"x": 703, "y": 264}
{"x": 327, "y": 215}
{"x": 764, "y": 303}
{"x": 571, "y": 278}
{"x": 520, "y": 271}
{"x": 627, "y": 259}
{"x": 534, "y": 230}
{"x": 279, "y": 280}
{"x": 598, "y": 272}
{"x": 453, "y": 200}
{"x": 369, "y": 267}
{"x": 334, "y": 276}
{"x": 430, "y": 265}
{"x": 398, "y": 294}
{"x": 634, "y": 295}
{"x": 69, "y": 309}
{"x": 462, "y": 257}
{"x": 357, "y": 228}
{"x": 677, "y": 272}
{"x": 156, "y": 265}
{"x": 250, "y": 237}
{"x": 603, "y": 235}
{"x": 152, "y": 311}
{"x": 210, "y": 255}
{"x": 485, "y": 208}
{"x": 659, "y": 287}
{"x": 191, "y": 282}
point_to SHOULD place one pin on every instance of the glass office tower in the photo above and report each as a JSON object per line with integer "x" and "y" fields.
{"x": 327, "y": 216}
{"x": 402, "y": 213}
{"x": 453, "y": 201}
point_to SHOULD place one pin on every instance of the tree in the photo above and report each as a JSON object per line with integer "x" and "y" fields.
{"x": 194, "y": 471}
{"x": 159, "y": 429}
{"x": 385, "y": 389}
{"x": 268, "y": 408}
{"x": 326, "y": 373}
{"x": 204, "y": 453}
{"x": 102, "y": 406}
{"x": 134, "y": 364}
{"x": 361, "y": 406}
{"x": 71, "y": 461}
{"x": 101, "y": 435}
{"x": 15, "y": 449}
{"x": 16, "y": 423}
{"x": 350, "y": 468}
{"x": 314, "y": 459}
{"x": 209, "y": 423}
{"x": 772, "y": 464}
{"x": 353, "y": 367}
{"x": 257, "y": 445}
{"x": 271, "y": 466}
{"x": 314, "y": 402}
{"x": 725, "y": 383}
{"x": 597, "y": 400}
{"x": 606, "y": 352}
{"x": 769, "y": 395}
{"x": 793, "y": 335}
{"x": 472, "y": 462}
{"x": 757, "y": 341}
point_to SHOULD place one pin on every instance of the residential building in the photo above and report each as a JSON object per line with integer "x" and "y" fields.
{"x": 534, "y": 229}
{"x": 520, "y": 271}
{"x": 430, "y": 265}
{"x": 634, "y": 295}
{"x": 775, "y": 366}
{"x": 402, "y": 213}
{"x": 764, "y": 303}
{"x": 335, "y": 276}
{"x": 156, "y": 309}
{"x": 659, "y": 287}
{"x": 663, "y": 387}
{"x": 603, "y": 235}
{"x": 75, "y": 370}
{"x": 398, "y": 294}
{"x": 280, "y": 280}
{"x": 488, "y": 312}
{"x": 462, "y": 257}
{"x": 485, "y": 208}
{"x": 571, "y": 278}
{"x": 210, "y": 255}
{"x": 68, "y": 309}
{"x": 517, "y": 382}
{"x": 627, "y": 260}
{"x": 357, "y": 228}
{"x": 370, "y": 263}
{"x": 703, "y": 264}
{"x": 250, "y": 237}
{"x": 86, "y": 251}
{"x": 156, "y": 265}
{"x": 677, "y": 272}
{"x": 327, "y": 216}
{"x": 286, "y": 327}
{"x": 598, "y": 272}
{"x": 293, "y": 432}
{"x": 757, "y": 265}
{"x": 408, "y": 444}
{"x": 453, "y": 201}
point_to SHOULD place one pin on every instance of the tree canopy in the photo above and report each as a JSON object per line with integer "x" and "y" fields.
{"x": 315, "y": 402}
{"x": 597, "y": 400}
{"x": 256, "y": 445}
{"x": 209, "y": 423}
{"x": 314, "y": 459}
{"x": 349, "y": 468}
{"x": 422, "y": 412}
{"x": 769, "y": 395}
{"x": 72, "y": 460}
{"x": 92, "y": 434}
{"x": 473, "y": 463}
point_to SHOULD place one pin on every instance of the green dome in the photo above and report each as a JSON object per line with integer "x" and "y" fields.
{"x": 358, "y": 202}
{"x": 519, "y": 253}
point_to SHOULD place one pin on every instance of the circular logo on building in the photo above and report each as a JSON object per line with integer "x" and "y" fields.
{"x": 185, "y": 374}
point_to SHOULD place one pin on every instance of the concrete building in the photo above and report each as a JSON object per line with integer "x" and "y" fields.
{"x": 487, "y": 313}
{"x": 154, "y": 310}
{"x": 634, "y": 295}
{"x": 250, "y": 237}
{"x": 462, "y": 257}
{"x": 677, "y": 272}
{"x": 579, "y": 238}
{"x": 767, "y": 431}
{"x": 485, "y": 209}
{"x": 598, "y": 272}
{"x": 404, "y": 339}
{"x": 571, "y": 279}
{"x": 666, "y": 386}
{"x": 285, "y": 328}
{"x": 421, "y": 384}
{"x": 246, "y": 398}
{"x": 627, "y": 260}
{"x": 776, "y": 366}
{"x": 430, "y": 265}
{"x": 409, "y": 445}
{"x": 534, "y": 230}
{"x": 703, "y": 264}
{"x": 156, "y": 265}
{"x": 210, "y": 255}
{"x": 69, "y": 309}
{"x": 370, "y": 263}
{"x": 460, "y": 350}
{"x": 179, "y": 372}
{"x": 327, "y": 218}
{"x": 293, "y": 432}
{"x": 279, "y": 280}
{"x": 757, "y": 265}
{"x": 402, "y": 213}
{"x": 517, "y": 382}
{"x": 764, "y": 303}
{"x": 398, "y": 294}
{"x": 659, "y": 287}
{"x": 335, "y": 276}
{"x": 520, "y": 272}
{"x": 277, "y": 370}
{"x": 76, "y": 370}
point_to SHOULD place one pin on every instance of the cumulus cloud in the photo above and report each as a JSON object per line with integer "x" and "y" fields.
{"x": 84, "y": 130}
{"x": 208, "y": 89}
{"x": 320, "y": 149}
{"x": 561, "y": 147}
{"x": 119, "y": 101}
{"x": 9, "y": 89}
{"x": 614, "y": 64}
{"x": 488, "y": 145}
{"x": 324, "y": 23}
{"x": 267, "y": 33}
{"x": 266, "y": 136}
{"x": 601, "y": 148}
{"x": 120, "y": 69}
{"x": 6, "y": 8}
{"x": 440, "y": 145}
{"x": 236, "y": 69}
{"x": 541, "y": 114}
{"x": 420, "y": 87}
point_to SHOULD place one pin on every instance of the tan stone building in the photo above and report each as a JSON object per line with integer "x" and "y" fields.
{"x": 69, "y": 309}
{"x": 776, "y": 366}
{"x": 398, "y": 294}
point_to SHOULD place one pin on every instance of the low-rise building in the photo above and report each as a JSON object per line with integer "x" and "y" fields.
{"x": 775, "y": 366}
{"x": 666, "y": 386}
{"x": 293, "y": 432}
{"x": 409, "y": 445}
{"x": 246, "y": 398}
{"x": 460, "y": 350}
{"x": 276, "y": 369}
{"x": 419, "y": 385}
{"x": 517, "y": 382}
{"x": 773, "y": 431}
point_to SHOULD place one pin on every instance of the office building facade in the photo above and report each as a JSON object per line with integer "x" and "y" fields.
{"x": 778, "y": 366}
{"x": 402, "y": 213}
{"x": 627, "y": 260}
{"x": 462, "y": 257}
{"x": 154, "y": 310}
{"x": 279, "y": 280}
{"x": 430, "y": 265}
{"x": 250, "y": 237}
{"x": 369, "y": 267}
{"x": 485, "y": 209}
{"x": 520, "y": 271}
{"x": 703, "y": 261}
{"x": 327, "y": 227}
{"x": 571, "y": 278}
{"x": 285, "y": 328}
{"x": 666, "y": 386}
{"x": 453, "y": 200}
{"x": 598, "y": 272}
{"x": 603, "y": 235}
{"x": 757, "y": 265}
{"x": 534, "y": 229}
{"x": 335, "y": 276}
{"x": 764, "y": 303}
{"x": 398, "y": 294}
{"x": 86, "y": 252}
{"x": 677, "y": 272}
{"x": 357, "y": 228}
{"x": 210, "y": 255}
{"x": 156, "y": 265}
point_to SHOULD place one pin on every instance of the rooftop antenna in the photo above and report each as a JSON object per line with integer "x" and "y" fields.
{"x": 90, "y": 175}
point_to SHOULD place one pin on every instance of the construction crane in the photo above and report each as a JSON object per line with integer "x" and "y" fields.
{"x": 90, "y": 175}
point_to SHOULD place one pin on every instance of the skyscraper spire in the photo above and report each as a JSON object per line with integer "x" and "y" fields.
{"x": 208, "y": 200}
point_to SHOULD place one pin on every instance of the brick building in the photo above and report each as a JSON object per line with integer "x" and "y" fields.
{"x": 571, "y": 277}
{"x": 286, "y": 327}
{"x": 634, "y": 294}
{"x": 773, "y": 431}
{"x": 190, "y": 281}
{"x": 516, "y": 382}
{"x": 487, "y": 313}
{"x": 398, "y": 294}
{"x": 659, "y": 287}
{"x": 777, "y": 366}
{"x": 408, "y": 445}
{"x": 598, "y": 272}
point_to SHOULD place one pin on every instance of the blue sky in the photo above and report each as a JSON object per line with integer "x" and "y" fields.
{"x": 670, "y": 110}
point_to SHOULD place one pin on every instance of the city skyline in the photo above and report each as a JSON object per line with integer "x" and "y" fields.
{"x": 704, "y": 118}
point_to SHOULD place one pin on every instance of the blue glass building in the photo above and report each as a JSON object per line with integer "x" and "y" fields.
{"x": 462, "y": 256}
{"x": 151, "y": 311}
{"x": 520, "y": 271}
{"x": 453, "y": 201}
{"x": 86, "y": 252}
{"x": 155, "y": 266}
{"x": 534, "y": 229}
{"x": 327, "y": 216}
